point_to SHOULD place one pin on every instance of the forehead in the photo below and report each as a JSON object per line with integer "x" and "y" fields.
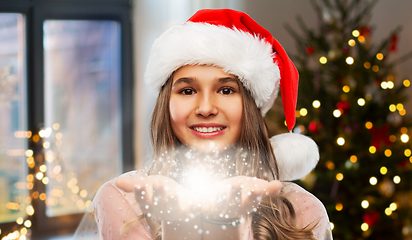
{"x": 197, "y": 72}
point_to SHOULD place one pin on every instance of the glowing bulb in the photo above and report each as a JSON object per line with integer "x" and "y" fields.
{"x": 39, "y": 175}
{"x": 351, "y": 42}
{"x": 367, "y": 65}
{"x": 303, "y": 112}
{"x": 368, "y": 125}
{"x": 379, "y": 56}
{"x": 30, "y": 210}
{"x": 384, "y": 85}
{"x": 27, "y": 223}
{"x": 399, "y": 106}
{"x": 383, "y": 170}
{"x": 339, "y": 207}
{"x": 404, "y": 138}
{"x": 353, "y": 158}
{"x": 372, "y": 149}
{"x": 361, "y": 102}
{"x": 337, "y": 113}
{"x": 388, "y": 152}
{"x": 316, "y": 104}
{"x": 388, "y": 211}
{"x": 407, "y": 152}
{"x": 390, "y": 84}
{"x": 406, "y": 83}
{"x": 350, "y": 60}
{"x": 332, "y": 226}
{"x": 340, "y": 141}
{"x": 45, "y": 180}
{"x": 393, "y": 206}
{"x": 355, "y": 33}
{"x": 392, "y": 108}
{"x": 43, "y": 168}
{"x": 361, "y": 39}
{"x": 396, "y": 179}
{"x": 346, "y": 88}
{"x": 323, "y": 60}
{"x": 373, "y": 181}
{"x": 339, "y": 176}
{"x": 19, "y": 221}
{"x": 375, "y": 68}
{"x": 364, "y": 227}
{"x": 365, "y": 204}
{"x": 392, "y": 138}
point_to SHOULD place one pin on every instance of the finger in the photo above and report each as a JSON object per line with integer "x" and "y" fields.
{"x": 273, "y": 188}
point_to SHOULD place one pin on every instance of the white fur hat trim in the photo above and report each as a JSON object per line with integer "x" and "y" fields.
{"x": 236, "y": 52}
{"x": 296, "y": 155}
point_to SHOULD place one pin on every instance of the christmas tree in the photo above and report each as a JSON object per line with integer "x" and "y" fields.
{"x": 350, "y": 103}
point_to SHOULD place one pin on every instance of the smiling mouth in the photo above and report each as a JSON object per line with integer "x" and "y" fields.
{"x": 208, "y": 129}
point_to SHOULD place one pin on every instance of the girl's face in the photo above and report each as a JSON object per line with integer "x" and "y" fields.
{"x": 205, "y": 107}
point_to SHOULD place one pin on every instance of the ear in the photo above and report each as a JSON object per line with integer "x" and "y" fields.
{"x": 297, "y": 155}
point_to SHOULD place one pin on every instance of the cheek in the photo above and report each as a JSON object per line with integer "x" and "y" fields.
{"x": 178, "y": 113}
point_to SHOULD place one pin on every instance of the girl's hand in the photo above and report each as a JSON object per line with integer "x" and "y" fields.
{"x": 160, "y": 197}
{"x": 238, "y": 196}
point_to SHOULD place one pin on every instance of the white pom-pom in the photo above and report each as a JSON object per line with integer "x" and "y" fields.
{"x": 296, "y": 155}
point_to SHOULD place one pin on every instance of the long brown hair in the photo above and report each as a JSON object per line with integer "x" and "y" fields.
{"x": 275, "y": 218}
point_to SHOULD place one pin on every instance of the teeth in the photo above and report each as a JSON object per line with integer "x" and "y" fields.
{"x": 208, "y": 130}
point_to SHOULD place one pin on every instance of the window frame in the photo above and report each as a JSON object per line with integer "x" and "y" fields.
{"x": 35, "y": 13}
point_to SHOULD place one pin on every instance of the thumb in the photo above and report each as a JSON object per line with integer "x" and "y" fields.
{"x": 273, "y": 188}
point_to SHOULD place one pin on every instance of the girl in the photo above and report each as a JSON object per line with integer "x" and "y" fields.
{"x": 215, "y": 172}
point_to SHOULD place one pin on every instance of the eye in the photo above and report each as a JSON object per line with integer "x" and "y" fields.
{"x": 227, "y": 90}
{"x": 187, "y": 91}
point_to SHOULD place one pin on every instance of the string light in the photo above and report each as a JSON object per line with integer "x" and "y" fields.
{"x": 367, "y": 65}
{"x": 364, "y": 227}
{"x": 388, "y": 211}
{"x": 316, "y": 104}
{"x": 303, "y": 112}
{"x": 388, "y": 152}
{"x": 337, "y": 113}
{"x": 43, "y": 168}
{"x": 355, "y": 33}
{"x": 339, "y": 177}
{"x": 351, "y": 42}
{"x": 379, "y": 56}
{"x": 27, "y": 223}
{"x": 396, "y": 179}
{"x": 392, "y": 107}
{"x": 346, "y": 88}
{"x": 406, "y": 83}
{"x": 339, "y": 207}
{"x": 30, "y": 210}
{"x": 361, "y": 39}
{"x": 404, "y": 130}
{"x": 392, "y": 138}
{"x": 399, "y": 106}
{"x": 375, "y": 68}
{"x": 393, "y": 206}
{"x": 373, "y": 181}
{"x": 404, "y": 138}
{"x": 372, "y": 149}
{"x": 383, "y": 170}
{"x": 353, "y": 158}
{"x": 350, "y": 60}
{"x": 361, "y": 102}
{"x": 323, "y": 60}
{"x": 39, "y": 175}
{"x": 368, "y": 125}
{"x": 332, "y": 225}
{"x": 365, "y": 204}
{"x": 340, "y": 141}
{"x": 390, "y": 84}
{"x": 330, "y": 165}
{"x": 407, "y": 152}
{"x": 384, "y": 85}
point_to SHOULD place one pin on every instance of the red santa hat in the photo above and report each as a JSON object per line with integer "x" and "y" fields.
{"x": 235, "y": 42}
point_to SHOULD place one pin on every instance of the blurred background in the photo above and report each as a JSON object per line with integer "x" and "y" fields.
{"x": 75, "y": 111}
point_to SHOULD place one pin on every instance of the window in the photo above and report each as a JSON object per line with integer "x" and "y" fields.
{"x": 65, "y": 108}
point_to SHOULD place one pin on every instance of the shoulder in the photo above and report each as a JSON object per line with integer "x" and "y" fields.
{"x": 308, "y": 208}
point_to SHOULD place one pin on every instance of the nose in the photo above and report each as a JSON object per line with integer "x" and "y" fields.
{"x": 206, "y": 106}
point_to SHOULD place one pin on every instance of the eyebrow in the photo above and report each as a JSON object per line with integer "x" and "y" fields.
{"x": 191, "y": 80}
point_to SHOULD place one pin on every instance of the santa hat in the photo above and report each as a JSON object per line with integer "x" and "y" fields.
{"x": 235, "y": 42}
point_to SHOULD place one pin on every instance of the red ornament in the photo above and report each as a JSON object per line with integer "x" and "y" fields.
{"x": 371, "y": 218}
{"x": 364, "y": 31}
{"x": 343, "y": 106}
{"x": 310, "y": 50}
{"x": 393, "y": 45}
{"x": 315, "y": 126}
{"x": 380, "y": 135}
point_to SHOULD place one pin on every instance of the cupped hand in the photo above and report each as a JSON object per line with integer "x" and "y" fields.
{"x": 239, "y": 196}
{"x": 165, "y": 199}
{"x": 160, "y": 197}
